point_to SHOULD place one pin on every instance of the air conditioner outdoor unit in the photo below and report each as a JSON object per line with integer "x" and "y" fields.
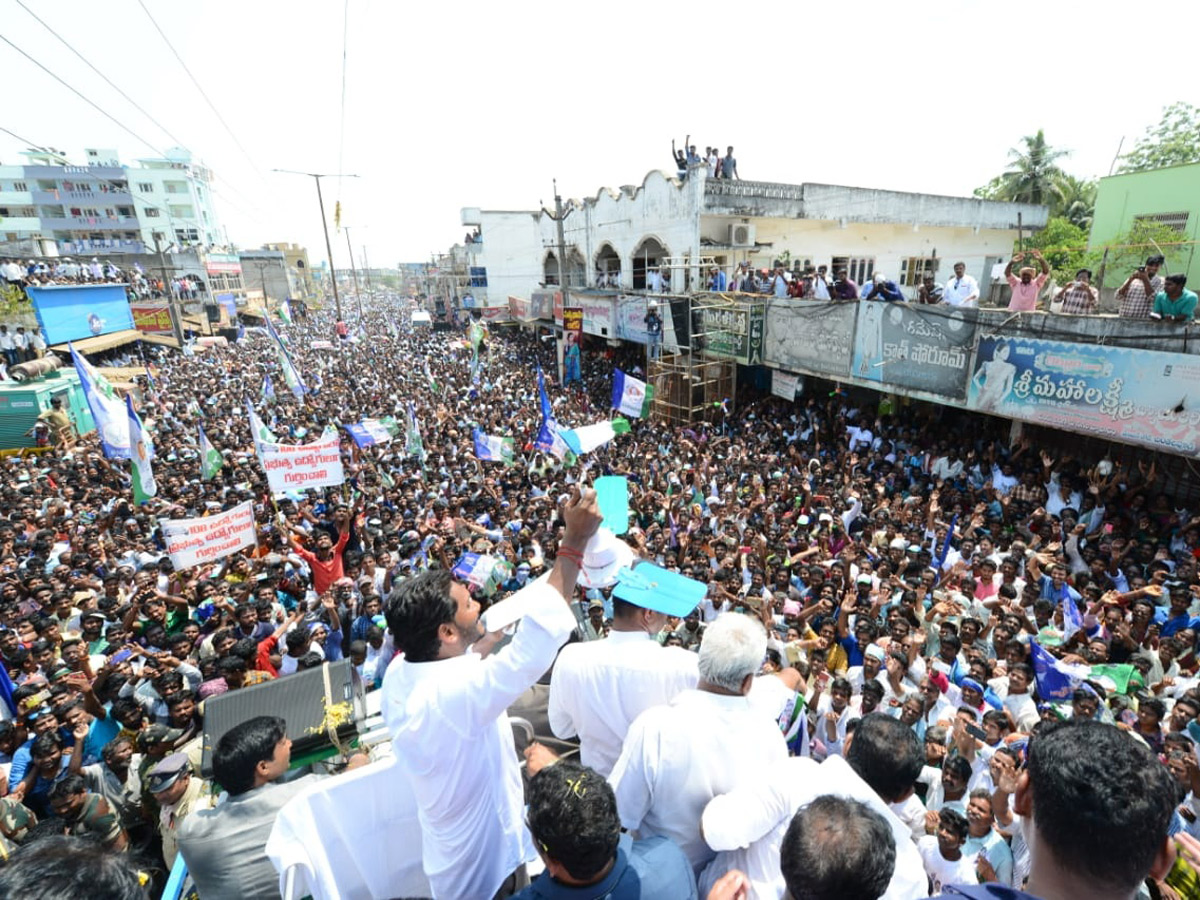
{"x": 741, "y": 235}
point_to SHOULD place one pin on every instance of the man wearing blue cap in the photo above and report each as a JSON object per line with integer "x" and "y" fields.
{"x": 600, "y": 687}
{"x": 706, "y": 742}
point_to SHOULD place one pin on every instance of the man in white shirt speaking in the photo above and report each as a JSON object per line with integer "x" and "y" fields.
{"x": 707, "y": 742}
{"x": 600, "y": 687}
{"x": 962, "y": 289}
{"x": 444, "y": 704}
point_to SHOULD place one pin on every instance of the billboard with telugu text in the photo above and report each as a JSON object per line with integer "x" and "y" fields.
{"x": 1132, "y": 395}
{"x": 153, "y": 317}
{"x": 921, "y": 348}
{"x": 811, "y": 336}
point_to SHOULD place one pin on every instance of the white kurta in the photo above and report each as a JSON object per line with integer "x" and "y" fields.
{"x": 747, "y": 825}
{"x": 600, "y": 687}
{"x": 453, "y": 742}
{"x": 676, "y": 758}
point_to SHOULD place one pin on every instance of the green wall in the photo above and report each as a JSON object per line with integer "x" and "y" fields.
{"x": 1173, "y": 189}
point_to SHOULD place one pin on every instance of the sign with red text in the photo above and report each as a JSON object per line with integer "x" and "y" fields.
{"x": 191, "y": 542}
{"x": 294, "y": 467}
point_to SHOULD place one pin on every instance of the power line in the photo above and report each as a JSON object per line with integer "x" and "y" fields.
{"x": 196, "y": 83}
{"x": 82, "y": 97}
{"x": 107, "y": 80}
{"x": 342, "y": 125}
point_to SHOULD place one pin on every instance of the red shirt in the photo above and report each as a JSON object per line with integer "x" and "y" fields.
{"x": 324, "y": 573}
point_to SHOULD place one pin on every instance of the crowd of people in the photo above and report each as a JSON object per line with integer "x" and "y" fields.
{"x": 855, "y": 647}
{"x": 49, "y": 271}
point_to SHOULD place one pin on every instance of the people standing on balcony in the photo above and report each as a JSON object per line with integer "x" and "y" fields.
{"x": 717, "y": 280}
{"x": 884, "y": 289}
{"x": 1026, "y": 288}
{"x": 20, "y": 344}
{"x": 930, "y": 292}
{"x": 712, "y": 159}
{"x": 820, "y": 284}
{"x": 779, "y": 283}
{"x": 8, "y": 347}
{"x": 729, "y": 165}
{"x": 843, "y": 287}
{"x": 962, "y": 289}
{"x": 1078, "y": 298}
{"x": 1139, "y": 290}
{"x": 1175, "y": 303}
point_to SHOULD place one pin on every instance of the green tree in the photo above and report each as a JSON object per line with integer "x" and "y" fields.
{"x": 1075, "y": 200}
{"x": 1034, "y": 171}
{"x": 1173, "y": 141}
{"x": 1125, "y": 252}
{"x": 993, "y": 190}
{"x": 1063, "y": 244}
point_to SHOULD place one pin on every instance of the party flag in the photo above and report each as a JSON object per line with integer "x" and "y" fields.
{"x": 631, "y": 396}
{"x": 142, "y": 451}
{"x": 493, "y": 447}
{"x": 112, "y": 423}
{"x": 211, "y": 460}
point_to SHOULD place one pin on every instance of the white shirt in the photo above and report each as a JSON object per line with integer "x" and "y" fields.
{"x": 961, "y": 291}
{"x": 600, "y": 687}
{"x": 746, "y": 826}
{"x": 944, "y": 871}
{"x": 678, "y": 757}
{"x": 453, "y": 742}
{"x": 6, "y": 340}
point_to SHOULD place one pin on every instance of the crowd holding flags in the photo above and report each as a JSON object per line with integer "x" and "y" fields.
{"x": 290, "y": 374}
{"x": 211, "y": 460}
{"x": 631, "y": 396}
{"x": 413, "y": 445}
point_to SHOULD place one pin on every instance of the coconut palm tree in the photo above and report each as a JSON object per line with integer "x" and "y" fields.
{"x": 1076, "y": 200}
{"x": 1032, "y": 176}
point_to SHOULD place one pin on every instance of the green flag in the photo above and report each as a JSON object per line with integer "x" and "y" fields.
{"x": 211, "y": 460}
{"x": 141, "y": 451}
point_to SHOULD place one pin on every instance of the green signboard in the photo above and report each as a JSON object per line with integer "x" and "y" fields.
{"x": 735, "y": 332}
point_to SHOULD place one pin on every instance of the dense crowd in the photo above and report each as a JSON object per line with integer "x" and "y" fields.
{"x": 140, "y": 284}
{"x": 876, "y": 583}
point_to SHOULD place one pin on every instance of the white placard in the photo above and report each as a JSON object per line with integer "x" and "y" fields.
{"x": 294, "y": 467}
{"x": 784, "y": 384}
{"x": 191, "y": 542}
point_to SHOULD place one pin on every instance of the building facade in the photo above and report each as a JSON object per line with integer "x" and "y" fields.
{"x": 1169, "y": 196}
{"x": 685, "y": 226}
{"x": 50, "y": 207}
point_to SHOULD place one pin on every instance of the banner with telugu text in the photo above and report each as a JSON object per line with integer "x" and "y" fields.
{"x": 300, "y": 466}
{"x": 191, "y": 542}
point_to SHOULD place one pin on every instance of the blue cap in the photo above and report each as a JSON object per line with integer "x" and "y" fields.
{"x": 659, "y": 590}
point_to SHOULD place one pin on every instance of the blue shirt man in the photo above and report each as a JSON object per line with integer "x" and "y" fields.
{"x": 644, "y": 870}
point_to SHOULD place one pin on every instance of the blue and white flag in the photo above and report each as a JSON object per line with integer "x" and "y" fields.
{"x": 474, "y": 568}
{"x": 547, "y": 412}
{"x": 268, "y": 389}
{"x": 369, "y": 432}
{"x": 141, "y": 452}
{"x": 108, "y": 412}
{"x": 631, "y": 396}
{"x": 1056, "y": 681}
{"x": 587, "y": 438}
{"x": 290, "y": 374}
{"x": 493, "y": 447}
{"x": 944, "y": 550}
{"x": 258, "y": 430}
{"x": 1072, "y": 618}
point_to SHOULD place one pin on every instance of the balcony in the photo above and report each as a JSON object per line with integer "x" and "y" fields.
{"x": 116, "y": 245}
{"x": 91, "y": 223}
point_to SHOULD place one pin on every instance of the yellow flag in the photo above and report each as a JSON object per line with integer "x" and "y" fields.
{"x": 337, "y": 215}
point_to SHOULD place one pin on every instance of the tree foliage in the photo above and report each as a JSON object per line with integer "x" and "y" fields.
{"x": 1033, "y": 174}
{"x": 1063, "y": 244}
{"x": 1173, "y": 141}
{"x": 1127, "y": 251}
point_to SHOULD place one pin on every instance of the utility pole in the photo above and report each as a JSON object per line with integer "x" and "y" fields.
{"x": 562, "y": 245}
{"x": 367, "y": 270}
{"x": 173, "y": 306}
{"x": 324, "y": 227}
{"x": 354, "y": 273}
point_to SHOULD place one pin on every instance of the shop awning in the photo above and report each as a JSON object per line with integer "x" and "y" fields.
{"x": 102, "y": 341}
{"x": 164, "y": 340}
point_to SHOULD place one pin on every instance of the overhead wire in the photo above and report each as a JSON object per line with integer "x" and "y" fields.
{"x": 342, "y": 124}
{"x": 201, "y": 91}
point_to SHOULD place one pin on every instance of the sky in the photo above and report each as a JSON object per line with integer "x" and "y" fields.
{"x": 451, "y": 105}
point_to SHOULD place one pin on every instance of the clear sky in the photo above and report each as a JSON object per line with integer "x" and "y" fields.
{"x": 482, "y": 104}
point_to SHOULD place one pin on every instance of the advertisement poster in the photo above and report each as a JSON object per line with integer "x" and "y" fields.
{"x": 572, "y": 344}
{"x": 1133, "y": 395}
{"x": 917, "y": 347}
{"x": 734, "y": 333}
{"x": 73, "y": 312}
{"x": 151, "y": 318}
{"x": 597, "y": 315}
{"x": 785, "y": 384}
{"x": 518, "y": 308}
{"x": 191, "y": 542}
{"x": 543, "y": 303}
{"x": 300, "y": 466}
{"x": 811, "y": 336}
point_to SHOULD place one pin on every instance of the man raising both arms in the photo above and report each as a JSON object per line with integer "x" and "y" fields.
{"x": 444, "y": 705}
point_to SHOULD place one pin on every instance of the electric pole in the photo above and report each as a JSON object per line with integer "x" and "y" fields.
{"x": 354, "y": 272}
{"x": 337, "y": 300}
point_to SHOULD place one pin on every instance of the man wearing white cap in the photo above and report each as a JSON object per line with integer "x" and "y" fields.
{"x": 600, "y": 687}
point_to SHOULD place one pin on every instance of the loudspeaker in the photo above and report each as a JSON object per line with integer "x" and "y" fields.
{"x": 299, "y": 698}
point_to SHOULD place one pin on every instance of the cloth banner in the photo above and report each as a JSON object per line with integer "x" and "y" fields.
{"x": 784, "y": 384}
{"x": 191, "y": 542}
{"x": 299, "y": 466}
{"x": 369, "y": 432}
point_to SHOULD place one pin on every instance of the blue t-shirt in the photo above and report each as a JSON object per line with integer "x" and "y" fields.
{"x": 644, "y": 870}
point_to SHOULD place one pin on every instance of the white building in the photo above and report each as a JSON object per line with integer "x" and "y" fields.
{"x": 613, "y": 238}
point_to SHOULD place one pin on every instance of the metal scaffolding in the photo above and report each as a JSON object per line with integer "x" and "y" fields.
{"x": 690, "y": 384}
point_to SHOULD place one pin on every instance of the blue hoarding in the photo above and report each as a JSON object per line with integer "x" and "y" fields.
{"x": 71, "y": 312}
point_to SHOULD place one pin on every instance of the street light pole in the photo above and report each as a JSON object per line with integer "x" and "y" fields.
{"x": 324, "y": 227}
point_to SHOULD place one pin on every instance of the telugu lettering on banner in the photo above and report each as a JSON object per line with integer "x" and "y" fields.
{"x": 811, "y": 336}
{"x": 734, "y": 332}
{"x": 296, "y": 467}
{"x": 785, "y": 384}
{"x": 922, "y": 348}
{"x": 151, "y": 318}
{"x": 191, "y": 542}
{"x": 1119, "y": 393}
